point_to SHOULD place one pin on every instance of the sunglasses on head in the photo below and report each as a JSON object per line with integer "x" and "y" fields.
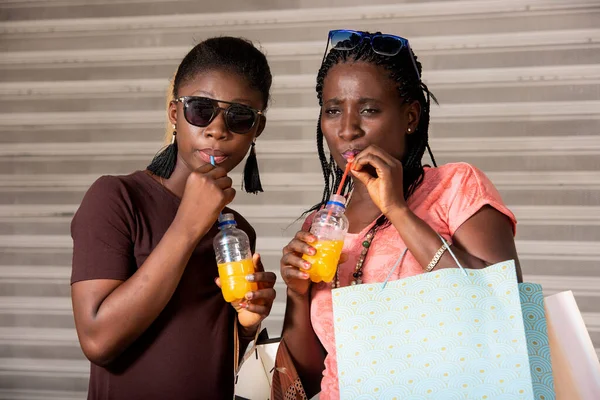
{"x": 201, "y": 111}
{"x": 385, "y": 45}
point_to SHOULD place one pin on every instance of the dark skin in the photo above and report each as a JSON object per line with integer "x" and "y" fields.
{"x": 111, "y": 314}
{"x": 362, "y": 111}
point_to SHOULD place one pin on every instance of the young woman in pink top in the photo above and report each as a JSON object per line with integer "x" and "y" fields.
{"x": 375, "y": 107}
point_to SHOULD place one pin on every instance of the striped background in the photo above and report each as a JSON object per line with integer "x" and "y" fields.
{"x": 82, "y": 88}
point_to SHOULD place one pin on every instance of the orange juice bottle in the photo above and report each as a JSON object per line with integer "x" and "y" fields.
{"x": 330, "y": 226}
{"x": 234, "y": 259}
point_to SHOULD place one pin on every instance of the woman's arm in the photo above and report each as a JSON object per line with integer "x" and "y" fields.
{"x": 111, "y": 314}
{"x": 486, "y": 238}
{"x": 302, "y": 342}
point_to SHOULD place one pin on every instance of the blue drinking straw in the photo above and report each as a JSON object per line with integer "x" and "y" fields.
{"x": 212, "y": 161}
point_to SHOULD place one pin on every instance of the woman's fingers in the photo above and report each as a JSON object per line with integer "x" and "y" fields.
{"x": 290, "y": 273}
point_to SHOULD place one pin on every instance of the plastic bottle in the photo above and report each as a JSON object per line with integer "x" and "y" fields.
{"x": 234, "y": 259}
{"x": 330, "y": 226}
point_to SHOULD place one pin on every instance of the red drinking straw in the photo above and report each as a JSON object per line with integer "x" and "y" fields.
{"x": 348, "y": 166}
{"x": 346, "y": 171}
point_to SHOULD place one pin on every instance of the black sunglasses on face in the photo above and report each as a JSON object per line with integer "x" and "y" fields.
{"x": 386, "y": 45}
{"x": 201, "y": 111}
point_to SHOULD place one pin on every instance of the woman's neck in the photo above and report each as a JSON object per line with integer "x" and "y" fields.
{"x": 176, "y": 182}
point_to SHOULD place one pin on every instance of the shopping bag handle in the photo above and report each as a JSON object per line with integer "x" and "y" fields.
{"x": 399, "y": 261}
{"x": 452, "y": 254}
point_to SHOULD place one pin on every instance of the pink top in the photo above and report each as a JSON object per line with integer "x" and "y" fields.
{"x": 448, "y": 196}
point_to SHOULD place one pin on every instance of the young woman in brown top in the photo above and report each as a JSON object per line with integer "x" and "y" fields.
{"x": 148, "y": 309}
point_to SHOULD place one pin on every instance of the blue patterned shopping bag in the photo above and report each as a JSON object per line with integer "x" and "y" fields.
{"x": 538, "y": 345}
{"x": 449, "y": 334}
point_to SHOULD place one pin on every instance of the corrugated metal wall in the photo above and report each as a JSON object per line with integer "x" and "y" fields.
{"x": 518, "y": 83}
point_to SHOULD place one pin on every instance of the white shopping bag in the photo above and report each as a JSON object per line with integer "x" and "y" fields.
{"x": 574, "y": 360}
{"x": 256, "y": 374}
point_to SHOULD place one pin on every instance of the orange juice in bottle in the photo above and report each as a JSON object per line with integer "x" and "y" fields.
{"x": 330, "y": 226}
{"x": 234, "y": 259}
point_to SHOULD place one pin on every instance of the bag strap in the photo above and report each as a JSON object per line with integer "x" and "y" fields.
{"x": 253, "y": 348}
{"x": 452, "y": 254}
{"x": 236, "y": 347}
{"x": 398, "y": 262}
{"x": 401, "y": 258}
{"x": 237, "y": 365}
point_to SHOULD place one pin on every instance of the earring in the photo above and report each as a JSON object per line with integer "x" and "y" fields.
{"x": 164, "y": 161}
{"x": 251, "y": 182}
{"x": 409, "y": 130}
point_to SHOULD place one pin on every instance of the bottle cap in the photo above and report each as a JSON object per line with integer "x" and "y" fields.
{"x": 226, "y": 219}
{"x": 337, "y": 200}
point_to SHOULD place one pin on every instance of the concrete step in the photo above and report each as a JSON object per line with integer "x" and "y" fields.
{"x": 465, "y": 112}
{"x": 62, "y": 343}
{"x": 559, "y": 83}
{"x": 60, "y": 275}
{"x": 559, "y": 215}
{"x": 31, "y": 340}
{"x": 51, "y": 343}
{"x": 427, "y": 18}
{"x": 26, "y": 394}
{"x": 551, "y": 195}
{"x": 55, "y": 275}
{"x": 525, "y": 118}
{"x": 543, "y": 223}
{"x": 34, "y": 338}
{"x": 527, "y": 230}
{"x": 306, "y": 97}
{"x": 563, "y": 125}
{"x": 46, "y": 226}
{"x": 527, "y": 215}
{"x": 29, "y": 309}
{"x": 538, "y": 76}
{"x": 556, "y": 252}
{"x": 297, "y": 182}
{"x": 65, "y": 335}
{"x": 15, "y": 256}
{"x": 46, "y": 305}
{"x": 552, "y": 47}
{"x": 552, "y": 153}
{"x": 40, "y": 343}
{"x": 36, "y": 312}
{"x": 38, "y": 281}
{"x": 44, "y": 374}
{"x": 41, "y": 9}
{"x": 543, "y": 189}
{"x": 297, "y": 163}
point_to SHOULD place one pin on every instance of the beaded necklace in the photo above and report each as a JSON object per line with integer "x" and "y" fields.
{"x": 358, "y": 269}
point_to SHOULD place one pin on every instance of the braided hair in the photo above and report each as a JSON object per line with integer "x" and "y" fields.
{"x": 410, "y": 88}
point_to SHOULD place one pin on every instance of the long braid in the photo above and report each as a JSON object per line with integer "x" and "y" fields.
{"x": 330, "y": 170}
{"x": 325, "y": 166}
